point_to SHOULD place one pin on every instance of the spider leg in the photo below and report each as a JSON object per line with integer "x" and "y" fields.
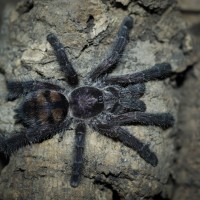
{"x": 128, "y": 98}
{"x": 128, "y": 105}
{"x": 133, "y": 104}
{"x": 78, "y": 156}
{"x": 163, "y": 120}
{"x": 129, "y": 140}
{"x": 136, "y": 90}
{"x": 18, "y": 88}
{"x": 121, "y": 100}
{"x": 63, "y": 61}
{"x": 12, "y": 144}
{"x": 157, "y": 72}
{"x": 29, "y": 136}
{"x": 116, "y": 51}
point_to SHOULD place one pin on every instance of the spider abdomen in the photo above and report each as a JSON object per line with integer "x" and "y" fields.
{"x": 86, "y": 102}
{"x": 42, "y": 108}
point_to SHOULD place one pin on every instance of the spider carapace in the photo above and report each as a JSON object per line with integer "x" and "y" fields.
{"x": 104, "y": 103}
{"x": 86, "y": 102}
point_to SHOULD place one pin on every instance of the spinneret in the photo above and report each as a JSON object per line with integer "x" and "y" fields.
{"x": 47, "y": 109}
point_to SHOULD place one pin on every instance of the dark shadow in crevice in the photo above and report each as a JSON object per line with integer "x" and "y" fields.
{"x": 154, "y": 10}
{"x": 90, "y": 24}
{"x": 90, "y": 21}
{"x": 195, "y": 30}
{"x": 3, "y": 161}
{"x": 172, "y": 183}
{"x": 159, "y": 197}
{"x": 119, "y": 5}
{"x": 181, "y": 77}
{"x": 115, "y": 194}
{"x": 25, "y": 7}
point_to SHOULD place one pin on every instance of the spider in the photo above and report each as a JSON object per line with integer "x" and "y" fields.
{"x": 104, "y": 103}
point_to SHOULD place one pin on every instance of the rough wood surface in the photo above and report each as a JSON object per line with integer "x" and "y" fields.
{"x": 87, "y": 28}
{"x": 186, "y": 172}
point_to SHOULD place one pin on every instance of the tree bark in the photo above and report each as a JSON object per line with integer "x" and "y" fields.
{"x": 186, "y": 171}
{"x": 87, "y": 28}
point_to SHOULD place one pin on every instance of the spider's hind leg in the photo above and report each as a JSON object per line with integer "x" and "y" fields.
{"x": 32, "y": 135}
{"x": 13, "y": 143}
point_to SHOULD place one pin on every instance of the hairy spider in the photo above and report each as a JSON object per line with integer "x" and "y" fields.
{"x": 105, "y": 103}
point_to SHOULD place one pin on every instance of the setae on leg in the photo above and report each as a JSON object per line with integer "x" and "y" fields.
{"x": 116, "y": 50}
{"x": 157, "y": 72}
{"x": 78, "y": 155}
{"x": 133, "y": 104}
{"x": 136, "y": 90}
{"x": 129, "y": 140}
{"x": 163, "y": 120}
{"x": 63, "y": 61}
{"x": 28, "y": 136}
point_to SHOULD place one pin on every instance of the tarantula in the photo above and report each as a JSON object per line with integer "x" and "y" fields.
{"x": 105, "y": 103}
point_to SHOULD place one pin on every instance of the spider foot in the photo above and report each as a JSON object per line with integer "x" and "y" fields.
{"x": 148, "y": 155}
{"x": 136, "y": 90}
{"x": 128, "y": 22}
{"x": 76, "y": 174}
{"x": 75, "y": 179}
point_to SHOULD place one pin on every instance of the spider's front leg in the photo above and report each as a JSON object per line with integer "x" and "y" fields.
{"x": 18, "y": 88}
{"x": 157, "y": 72}
{"x": 63, "y": 61}
{"x": 78, "y": 154}
{"x": 116, "y": 50}
{"x": 163, "y": 120}
{"x": 122, "y": 135}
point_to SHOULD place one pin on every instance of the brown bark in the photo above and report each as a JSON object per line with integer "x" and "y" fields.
{"x": 186, "y": 172}
{"x": 87, "y": 28}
